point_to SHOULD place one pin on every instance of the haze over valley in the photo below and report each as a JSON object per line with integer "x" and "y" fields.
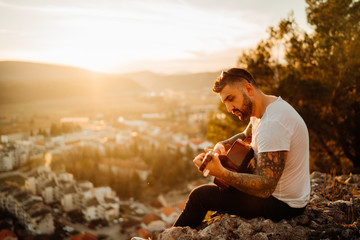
{"x": 31, "y": 90}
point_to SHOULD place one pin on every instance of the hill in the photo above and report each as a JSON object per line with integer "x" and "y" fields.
{"x": 24, "y": 81}
{"x": 188, "y": 82}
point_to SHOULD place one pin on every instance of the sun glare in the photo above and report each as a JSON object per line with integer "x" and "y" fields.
{"x": 106, "y": 37}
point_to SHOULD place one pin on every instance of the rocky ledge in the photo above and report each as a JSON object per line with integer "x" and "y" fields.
{"x": 332, "y": 213}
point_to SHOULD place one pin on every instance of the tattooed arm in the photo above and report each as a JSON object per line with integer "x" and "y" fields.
{"x": 262, "y": 183}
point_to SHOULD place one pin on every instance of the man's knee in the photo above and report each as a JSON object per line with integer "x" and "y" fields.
{"x": 203, "y": 192}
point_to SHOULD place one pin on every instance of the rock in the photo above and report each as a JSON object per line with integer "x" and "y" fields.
{"x": 180, "y": 233}
{"x": 316, "y": 175}
{"x": 332, "y": 213}
{"x": 341, "y": 178}
{"x": 260, "y": 236}
{"x": 352, "y": 179}
{"x": 302, "y": 220}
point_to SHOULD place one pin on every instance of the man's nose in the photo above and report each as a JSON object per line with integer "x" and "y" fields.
{"x": 229, "y": 107}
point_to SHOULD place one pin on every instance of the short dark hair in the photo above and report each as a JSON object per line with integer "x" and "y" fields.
{"x": 231, "y": 76}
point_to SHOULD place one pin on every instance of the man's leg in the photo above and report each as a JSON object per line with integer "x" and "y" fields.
{"x": 232, "y": 201}
{"x": 211, "y": 197}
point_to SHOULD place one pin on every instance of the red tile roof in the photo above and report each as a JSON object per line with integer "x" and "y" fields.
{"x": 143, "y": 233}
{"x": 148, "y": 218}
{"x": 196, "y": 141}
{"x": 168, "y": 210}
{"x": 7, "y": 234}
{"x": 85, "y": 236}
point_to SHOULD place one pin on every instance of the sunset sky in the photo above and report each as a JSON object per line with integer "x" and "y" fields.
{"x": 165, "y": 36}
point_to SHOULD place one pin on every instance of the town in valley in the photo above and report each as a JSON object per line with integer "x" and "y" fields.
{"x": 109, "y": 174}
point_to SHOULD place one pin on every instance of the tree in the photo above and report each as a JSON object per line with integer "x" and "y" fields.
{"x": 337, "y": 55}
{"x": 324, "y": 70}
{"x": 135, "y": 185}
{"x": 54, "y": 130}
{"x": 223, "y": 125}
{"x": 319, "y": 76}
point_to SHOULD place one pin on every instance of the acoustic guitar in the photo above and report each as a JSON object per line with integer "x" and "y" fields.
{"x": 237, "y": 159}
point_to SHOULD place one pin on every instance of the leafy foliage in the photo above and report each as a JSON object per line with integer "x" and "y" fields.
{"x": 57, "y": 130}
{"x": 167, "y": 168}
{"x": 223, "y": 125}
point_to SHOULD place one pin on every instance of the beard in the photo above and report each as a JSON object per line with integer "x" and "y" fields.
{"x": 245, "y": 112}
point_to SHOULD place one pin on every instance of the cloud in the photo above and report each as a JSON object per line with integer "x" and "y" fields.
{"x": 198, "y": 62}
{"x": 109, "y": 33}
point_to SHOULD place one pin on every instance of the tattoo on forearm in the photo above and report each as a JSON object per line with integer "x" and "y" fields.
{"x": 269, "y": 168}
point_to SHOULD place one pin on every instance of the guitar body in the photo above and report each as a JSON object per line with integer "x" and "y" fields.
{"x": 237, "y": 159}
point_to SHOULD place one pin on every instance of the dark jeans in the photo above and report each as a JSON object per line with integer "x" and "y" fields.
{"x": 232, "y": 201}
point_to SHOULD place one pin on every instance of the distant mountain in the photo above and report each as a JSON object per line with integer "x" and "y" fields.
{"x": 179, "y": 82}
{"x": 25, "y": 81}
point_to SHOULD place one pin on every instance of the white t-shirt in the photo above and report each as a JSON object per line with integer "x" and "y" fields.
{"x": 281, "y": 128}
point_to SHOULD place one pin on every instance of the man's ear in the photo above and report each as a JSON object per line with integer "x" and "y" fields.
{"x": 249, "y": 89}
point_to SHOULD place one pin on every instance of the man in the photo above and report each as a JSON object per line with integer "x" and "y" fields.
{"x": 280, "y": 185}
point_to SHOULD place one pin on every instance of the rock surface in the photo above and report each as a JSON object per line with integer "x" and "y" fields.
{"x": 332, "y": 213}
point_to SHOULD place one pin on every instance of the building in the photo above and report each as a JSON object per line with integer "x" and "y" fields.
{"x": 13, "y": 137}
{"x": 48, "y": 191}
{"x": 128, "y": 167}
{"x": 7, "y": 160}
{"x": 93, "y": 203}
{"x": 13, "y": 156}
{"x": 92, "y": 209}
{"x": 152, "y": 223}
{"x": 70, "y": 198}
{"x": 30, "y": 211}
{"x": 199, "y": 144}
